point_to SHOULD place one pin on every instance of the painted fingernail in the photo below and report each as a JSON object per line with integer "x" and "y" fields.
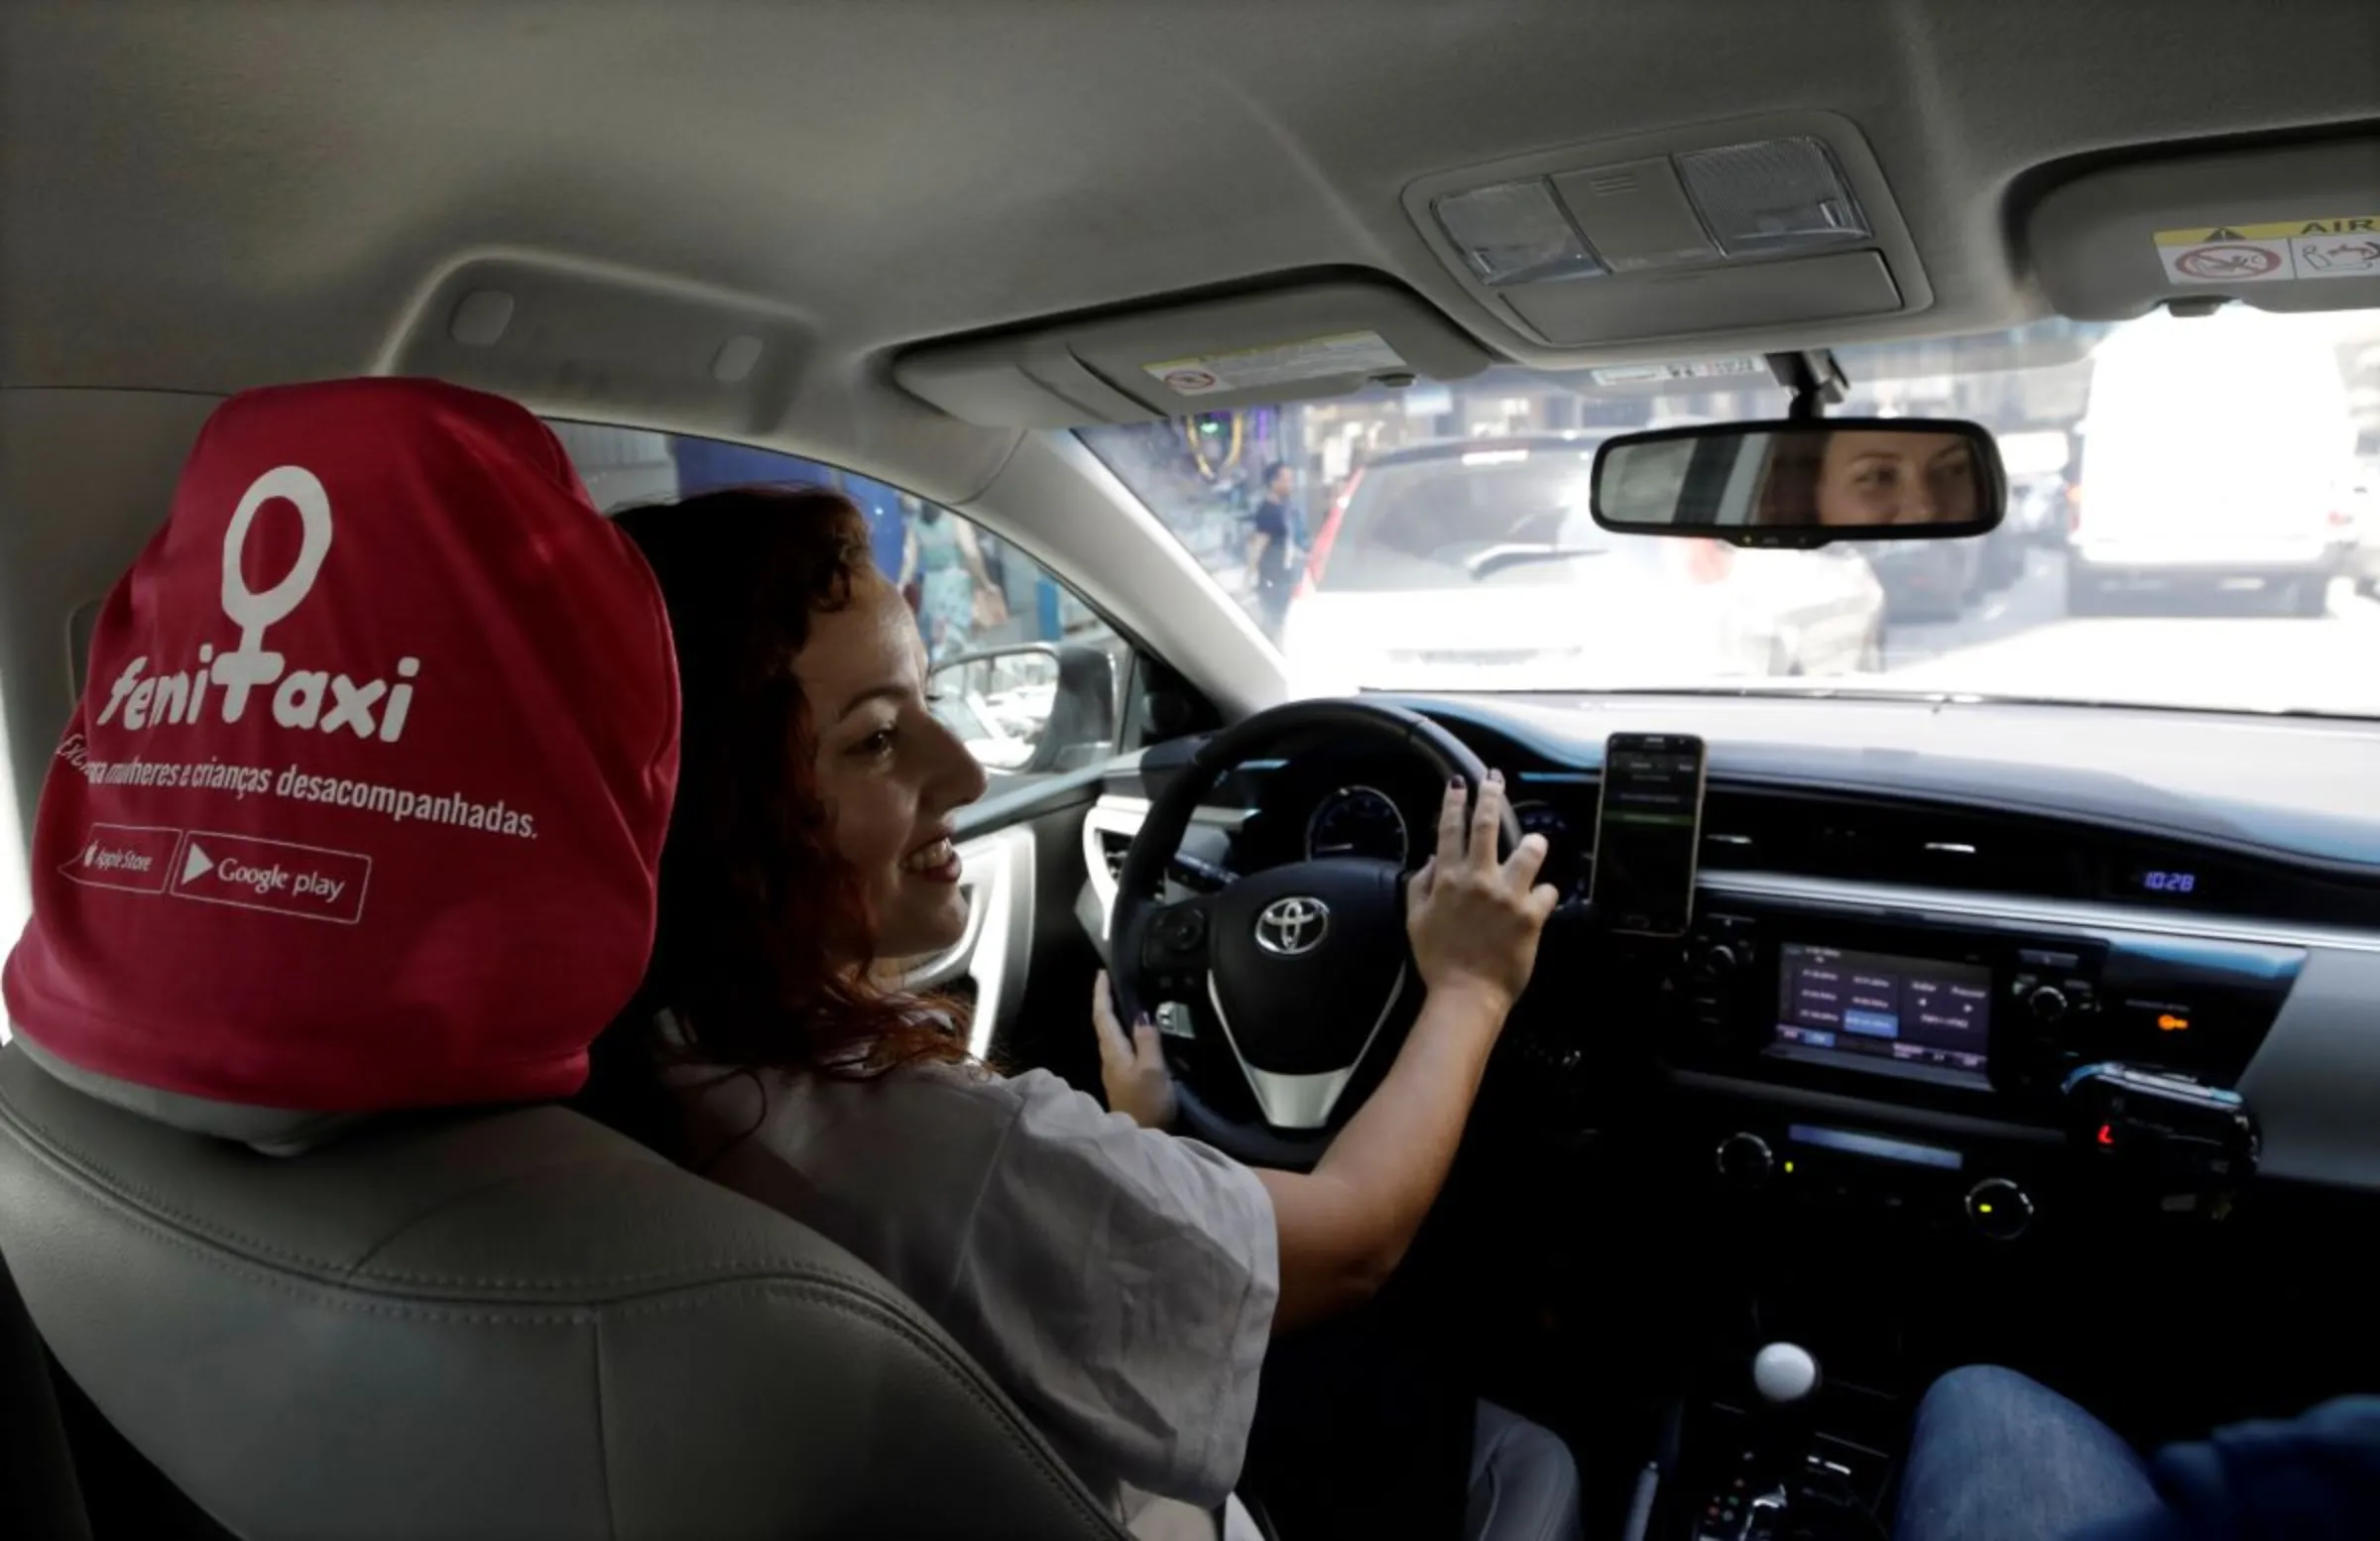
{"x": 1453, "y": 783}
{"x": 1497, "y": 776}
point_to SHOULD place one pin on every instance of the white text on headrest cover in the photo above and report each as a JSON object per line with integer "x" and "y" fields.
{"x": 179, "y": 699}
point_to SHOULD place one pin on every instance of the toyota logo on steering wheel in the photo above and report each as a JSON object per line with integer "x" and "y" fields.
{"x": 1293, "y": 926}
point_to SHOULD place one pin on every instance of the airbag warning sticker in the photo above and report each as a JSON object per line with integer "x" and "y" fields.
{"x": 1250, "y": 369}
{"x": 271, "y": 875}
{"x": 2273, "y": 252}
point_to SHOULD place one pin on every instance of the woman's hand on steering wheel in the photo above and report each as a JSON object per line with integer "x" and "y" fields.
{"x": 1298, "y": 980}
{"x": 1131, "y": 1065}
{"x": 1474, "y": 921}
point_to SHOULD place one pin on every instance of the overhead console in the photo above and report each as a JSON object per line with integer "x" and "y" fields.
{"x": 1774, "y": 222}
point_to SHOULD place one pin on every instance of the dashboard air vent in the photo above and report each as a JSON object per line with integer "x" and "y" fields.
{"x": 1112, "y": 845}
{"x": 1867, "y": 841}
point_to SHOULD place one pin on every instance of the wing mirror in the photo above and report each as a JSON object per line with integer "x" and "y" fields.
{"x": 1030, "y": 709}
{"x": 1803, "y": 482}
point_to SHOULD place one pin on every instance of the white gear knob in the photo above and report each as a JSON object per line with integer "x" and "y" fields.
{"x": 1784, "y": 1374}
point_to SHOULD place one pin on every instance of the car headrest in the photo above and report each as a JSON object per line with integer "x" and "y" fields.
{"x": 363, "y": 806}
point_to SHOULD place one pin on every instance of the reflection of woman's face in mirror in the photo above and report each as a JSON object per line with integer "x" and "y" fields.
{"x": 1882, "y": 477}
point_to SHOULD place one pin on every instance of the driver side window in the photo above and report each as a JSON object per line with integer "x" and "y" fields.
{"x": 1028, "y": 675}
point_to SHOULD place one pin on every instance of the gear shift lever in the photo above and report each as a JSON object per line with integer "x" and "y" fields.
{"x": 1750, "y": 1494}
{"x": 1786, "y": 1376}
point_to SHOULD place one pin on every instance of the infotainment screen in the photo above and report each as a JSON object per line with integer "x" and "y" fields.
{"x": 1874, "y": 1006}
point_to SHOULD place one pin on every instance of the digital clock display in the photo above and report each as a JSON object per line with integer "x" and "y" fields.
{"x": 2166, "y": 881}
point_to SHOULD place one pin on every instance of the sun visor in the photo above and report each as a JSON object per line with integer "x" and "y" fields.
{"x": 1299, "y": 343}
{"x": 2286, "y": 228}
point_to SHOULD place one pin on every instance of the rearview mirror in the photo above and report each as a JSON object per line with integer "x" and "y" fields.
{"x": 1804, "y": 483}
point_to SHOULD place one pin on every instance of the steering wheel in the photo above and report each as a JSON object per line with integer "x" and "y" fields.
{"x": 1303, "y": 970}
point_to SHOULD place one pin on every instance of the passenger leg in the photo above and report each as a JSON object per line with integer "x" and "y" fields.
{"x": 1524, "y": 1485}
{"x": 1998, "y": 1457}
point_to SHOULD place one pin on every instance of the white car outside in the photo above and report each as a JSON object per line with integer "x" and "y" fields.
{"x": 1477, "y": 566}
{"x": 2212, "y": 457}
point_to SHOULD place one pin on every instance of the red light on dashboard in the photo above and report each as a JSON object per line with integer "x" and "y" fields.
{"x": 2106, "y": 1133}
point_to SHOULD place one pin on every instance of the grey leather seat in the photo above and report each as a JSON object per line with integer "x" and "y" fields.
{"x": 501, "y": 1323}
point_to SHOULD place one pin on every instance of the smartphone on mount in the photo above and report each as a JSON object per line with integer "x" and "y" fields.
{"x": 1648, "y": 828}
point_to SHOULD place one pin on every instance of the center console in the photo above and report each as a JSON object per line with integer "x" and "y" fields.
{"x": 1912, "y": 1127}
{"x": 1960, "y": 1074}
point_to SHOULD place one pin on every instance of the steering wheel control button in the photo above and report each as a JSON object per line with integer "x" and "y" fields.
{"x": 1744, "y": 1160}
{"x": 1998, "y": 1210}
{"x": 1293, "y": 926}
{"x": 1181, "y": 931}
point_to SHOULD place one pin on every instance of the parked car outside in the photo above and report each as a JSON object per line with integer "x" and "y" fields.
{"x": 1929, "y": 580}
{"x": 2359, "y": 503}
{"x": 2191, "y": 484}
{"x": 1474, "y": 565}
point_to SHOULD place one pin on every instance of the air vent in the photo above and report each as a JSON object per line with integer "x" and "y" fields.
{"x": 1112, "y": 847}
{"x": 1889, "y": 842}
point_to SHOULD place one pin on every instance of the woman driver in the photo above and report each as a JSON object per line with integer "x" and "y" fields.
{"x": 1866, "y": 477}
{"x": 1119, "y": 1282}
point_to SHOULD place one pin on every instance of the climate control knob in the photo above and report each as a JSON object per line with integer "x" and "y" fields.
{"x": 1745, "y": 1159}
{"x": 1999, "y": 1210}
{"x": 1716, "y": 964}
{"x": 2048, "y": 1003}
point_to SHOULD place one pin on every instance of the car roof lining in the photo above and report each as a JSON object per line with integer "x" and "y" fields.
{"x": 205, "y": 198}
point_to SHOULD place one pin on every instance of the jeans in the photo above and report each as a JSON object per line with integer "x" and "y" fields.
{"x": 1997, "y": 1457}
{"x": 1524, "y": 1485}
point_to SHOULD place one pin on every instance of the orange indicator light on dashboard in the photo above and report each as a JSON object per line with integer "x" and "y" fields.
{"x": 2167, "y": 1021}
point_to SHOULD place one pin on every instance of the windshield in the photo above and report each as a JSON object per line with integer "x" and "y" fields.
{"x": 1432, "y": 521}
{"x": 2194, "y": 520}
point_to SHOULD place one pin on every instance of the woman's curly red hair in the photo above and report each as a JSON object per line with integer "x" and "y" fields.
{"x": 764, "y": 940}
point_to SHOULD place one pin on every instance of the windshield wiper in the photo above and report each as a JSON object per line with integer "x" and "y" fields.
{"x": 1497, "y": 559}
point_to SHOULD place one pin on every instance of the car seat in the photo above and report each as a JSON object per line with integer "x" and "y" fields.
{"x": 493, "y": 1325}
{"x": 284, "y": 1181}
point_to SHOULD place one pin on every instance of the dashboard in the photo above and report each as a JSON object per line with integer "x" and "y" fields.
{"x": 1985, "y": 954}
